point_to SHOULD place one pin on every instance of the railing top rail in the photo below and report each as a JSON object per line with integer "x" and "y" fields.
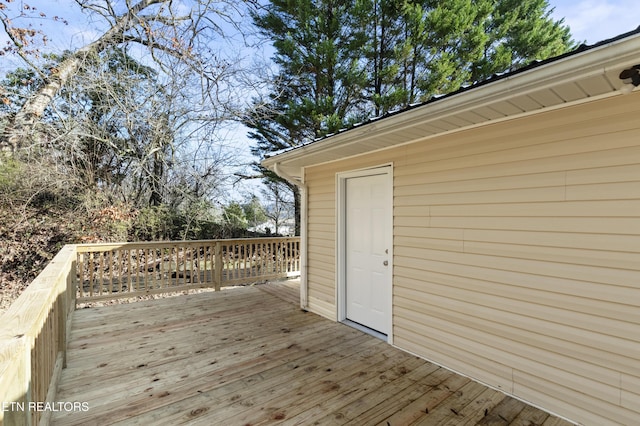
{"x": 82, "y": 248}
{"x": 26, "y": 314}
{"x": 33, "y": 336}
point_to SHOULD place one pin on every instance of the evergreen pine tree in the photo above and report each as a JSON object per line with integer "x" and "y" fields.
{"x": 345, "y": 61}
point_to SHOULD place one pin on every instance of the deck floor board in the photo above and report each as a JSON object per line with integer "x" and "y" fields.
{"x": 251, "y": 356}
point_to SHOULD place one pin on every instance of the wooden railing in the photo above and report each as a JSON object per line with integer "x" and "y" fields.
{"x": 108, "y": 271}
{"x": 34, "y": 330}
{"x": 33, "y": 341}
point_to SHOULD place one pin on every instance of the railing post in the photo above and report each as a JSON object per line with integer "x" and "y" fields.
{"x": 70, "y": 302}
{"x": 217, "y": 280}
{"x": 15, "y": 387}
{"x": 63, "y": 311}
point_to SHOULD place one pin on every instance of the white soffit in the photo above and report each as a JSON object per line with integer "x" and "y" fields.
{"x": 578, "y": 77}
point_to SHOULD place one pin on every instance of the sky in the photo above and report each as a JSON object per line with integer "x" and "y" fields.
{"x": 596, "y": 20}
{"x": 589, "y": 20}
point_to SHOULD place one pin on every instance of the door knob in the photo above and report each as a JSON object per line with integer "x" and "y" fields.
{"x": 385, "y": 263}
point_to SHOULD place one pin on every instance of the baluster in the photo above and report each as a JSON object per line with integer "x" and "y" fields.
{"x": 101, "y": 272}
{"x": 109, "y": 271}
{"x": 251, "y": 259}
{"x": 184, "y": 264}
{"x": 119, "y": 268}
{"x": 82, "y": 274}
{"x": 129, "y": 271}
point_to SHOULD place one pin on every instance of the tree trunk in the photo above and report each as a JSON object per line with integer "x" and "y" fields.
{"x": 157, "y": 176}
{"x": 297, "y": 208}
{"x": 21, "y": 131}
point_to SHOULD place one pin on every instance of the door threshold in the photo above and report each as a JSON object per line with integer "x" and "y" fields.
{"x": 365, "y": 329}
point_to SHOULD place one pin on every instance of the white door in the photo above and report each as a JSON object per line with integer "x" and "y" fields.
{"x": 367, "y": 251}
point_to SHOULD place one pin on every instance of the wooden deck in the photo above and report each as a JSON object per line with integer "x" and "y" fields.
{"x": 249, "y": 356}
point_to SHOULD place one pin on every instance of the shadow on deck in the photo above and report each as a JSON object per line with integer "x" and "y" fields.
{"x": 248, "y": 356}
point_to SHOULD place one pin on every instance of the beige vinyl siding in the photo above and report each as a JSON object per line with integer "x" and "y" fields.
{"x": 321, "y": 243}
{"x": 516, "y": 255}
{"x": 525, "y": 271}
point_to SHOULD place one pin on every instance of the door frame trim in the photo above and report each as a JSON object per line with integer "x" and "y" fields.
{"x": 341, "y": 219}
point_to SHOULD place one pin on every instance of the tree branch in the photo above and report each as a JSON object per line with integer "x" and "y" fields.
{"x": 154, "y": 45}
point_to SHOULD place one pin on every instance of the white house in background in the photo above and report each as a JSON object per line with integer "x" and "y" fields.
{"x": 494, "y": 231}
{"x": 285, "y": 227}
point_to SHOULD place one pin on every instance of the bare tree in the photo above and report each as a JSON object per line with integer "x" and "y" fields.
{"x": 170, "y": 32}
{"x": 279, "y": 203}
{"x": 141, "y": 137}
